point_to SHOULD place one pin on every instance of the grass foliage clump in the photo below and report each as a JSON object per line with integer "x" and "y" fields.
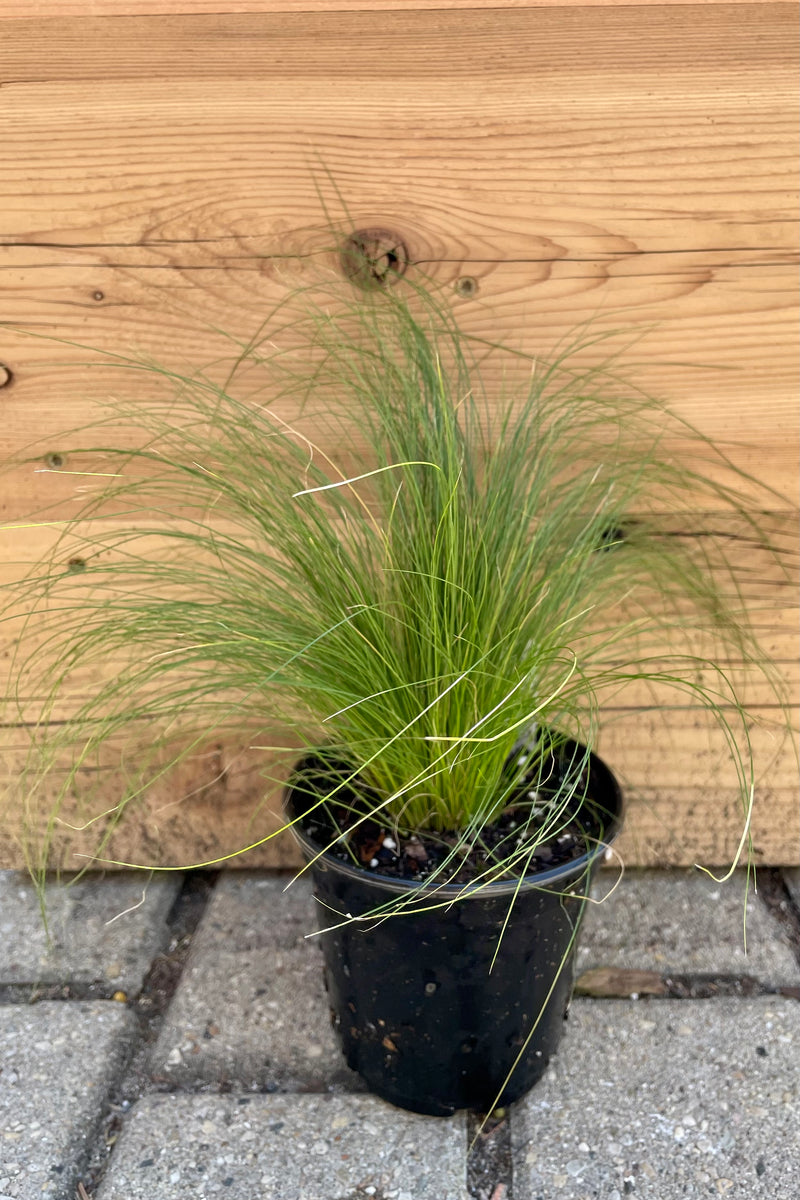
{"x": 399, "y": 567}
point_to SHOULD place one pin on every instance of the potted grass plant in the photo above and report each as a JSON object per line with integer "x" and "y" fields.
{"x": 435, "y": 589}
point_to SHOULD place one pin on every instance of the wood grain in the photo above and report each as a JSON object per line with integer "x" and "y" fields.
{"x": 169, "y": 170}
{"x": 651, "y": 186}
{"x": 554, "y": 41}
{"x": 84, "y": 9}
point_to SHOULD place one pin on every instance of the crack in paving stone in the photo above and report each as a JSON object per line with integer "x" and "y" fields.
{"x": 150, "y": 1008}
{"x": 618, "y": 983}
{"x": 489, "y": 1166}
{"x": 706, "y": 987}
{"x": 34, "y": 993}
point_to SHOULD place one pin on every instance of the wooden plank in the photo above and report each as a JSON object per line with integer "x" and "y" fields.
{"x": 672, "y": 761}
{"x": 529, "y": 80}
{"x": 632, "y": 165}
{"x": 671, "y": 758}
{"x": 707, "y": 355}
{"x": 213, "y": 805}
{"x": 683, "y": 829}
{"x": 87, "y": 9}
{"x": 57, "y": 390}
{"x": 134, "y": 215}
{"x": 654, "y": 752}
{"x": 766, "y": 574}
{"x": 478, "y": 44}
{"x": 680, "y": 809}
{"x": 777, "y": 635}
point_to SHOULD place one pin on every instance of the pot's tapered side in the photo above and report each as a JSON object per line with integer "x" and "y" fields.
{"x": 423, "y": 1013}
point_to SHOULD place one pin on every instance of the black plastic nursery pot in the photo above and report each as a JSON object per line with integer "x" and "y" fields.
{"x": 422, "y": 1012}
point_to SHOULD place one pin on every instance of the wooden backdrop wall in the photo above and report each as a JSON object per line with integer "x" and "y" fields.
{"x": 629, "y": 163}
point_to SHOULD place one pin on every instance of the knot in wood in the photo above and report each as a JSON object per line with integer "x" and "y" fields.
{"x": 374, "y": 257}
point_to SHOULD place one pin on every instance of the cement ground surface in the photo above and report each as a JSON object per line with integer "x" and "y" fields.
{"x": 174, "y": 1041}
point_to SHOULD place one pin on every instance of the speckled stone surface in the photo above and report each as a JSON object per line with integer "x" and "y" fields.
{"x": 58, "y": 1062}
{"x": 286, "y": 1148}
{"x": 684, "y": 923}
{"x": 250, "y": 1010}
{"x": 103, "y": 929}
{"x": 665, "y": 1100}
{"x": 792, "y": 877}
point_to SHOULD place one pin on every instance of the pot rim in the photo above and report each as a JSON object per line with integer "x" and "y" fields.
{"x": 612, "y": 803}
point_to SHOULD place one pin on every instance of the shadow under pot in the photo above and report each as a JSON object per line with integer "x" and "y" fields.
{"x": 422, "y": 1012}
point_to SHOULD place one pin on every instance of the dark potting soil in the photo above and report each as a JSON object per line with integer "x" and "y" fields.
{"x": 377, "y": 846}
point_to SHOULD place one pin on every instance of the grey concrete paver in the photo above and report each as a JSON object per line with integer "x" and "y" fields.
{"x": 58, "y": 1062}
{"x": 663, "y": 1100}
{"x": 684, "y": 923}
{"x": 250, "y": 1010}
{"x": 792, "y": 878}
{"x": 103, "y": 929}
{"x": 660, "y": 1099}
{"x": 285, "y": 1148}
